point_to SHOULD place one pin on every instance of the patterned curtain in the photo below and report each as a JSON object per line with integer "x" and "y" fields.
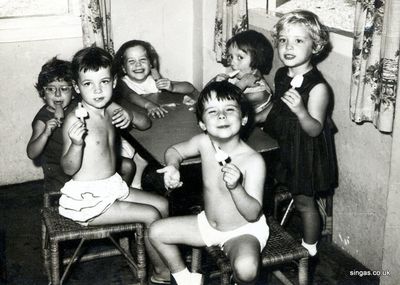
{"x": 374, "y": 85}
{"x": 231, "y": 18}
{"x": 96, "y": 24}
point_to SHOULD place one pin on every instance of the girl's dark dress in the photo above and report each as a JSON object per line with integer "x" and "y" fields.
{"x": 307, "y": 164}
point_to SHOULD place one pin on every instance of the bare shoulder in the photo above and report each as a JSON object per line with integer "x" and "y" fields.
{"x": 70, "y": 118}
{"x": 252, "y": 160}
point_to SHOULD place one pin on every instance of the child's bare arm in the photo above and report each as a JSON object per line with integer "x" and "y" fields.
{"x": 173, "y": 158}
{"x": 120, "y": 117}
{"x": 74, "y": 131}
{"x": 248, "y": 197}
{"x": 40, "y": 134}
{"x": 311, "y": 118}
{"x": 180, "y": 87}
{"x": 139, "y": 120}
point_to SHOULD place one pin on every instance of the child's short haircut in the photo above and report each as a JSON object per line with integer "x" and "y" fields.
{"x": 258, "y": 46}
{"x": 318, "y": 32}
{"x": 53, "y": 70}
{"x": 119, "y": 56}
{"x": 224, "y": 91}
{"x": 91, "y": 58}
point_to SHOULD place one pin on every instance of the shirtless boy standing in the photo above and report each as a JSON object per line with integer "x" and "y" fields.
{"x": 233, "y": 179}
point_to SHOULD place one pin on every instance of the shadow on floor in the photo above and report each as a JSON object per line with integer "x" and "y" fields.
{"x": 20, "y": 244}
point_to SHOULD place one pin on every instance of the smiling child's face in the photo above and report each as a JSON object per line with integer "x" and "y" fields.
{"x": 222, "y": 118}
{"x": 136, "y": 63}
{"x": 295, "y": 46}
{"x": 95, "y": 87}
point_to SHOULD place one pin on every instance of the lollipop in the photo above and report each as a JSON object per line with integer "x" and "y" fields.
{"x": 221, "y": 156}
{"x": 233, "y": 73}
{"x": 297, "y": 81}
{"x": 81, "y": 112}
{"x": 59, "y": 112}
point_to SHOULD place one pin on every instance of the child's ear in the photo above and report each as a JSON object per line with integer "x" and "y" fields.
{"x": 123, "y": 69}
{"x": 76, "y": 88}
{"x": 202, "y": 126}
{"x": 245, "y": 119}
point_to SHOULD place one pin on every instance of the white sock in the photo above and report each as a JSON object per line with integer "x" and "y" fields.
{"x": 312, "y": 248}
{"x": 184, "y": 277}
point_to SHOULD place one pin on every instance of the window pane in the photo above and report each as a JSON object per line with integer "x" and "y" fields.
{"x": 23, "y": 8}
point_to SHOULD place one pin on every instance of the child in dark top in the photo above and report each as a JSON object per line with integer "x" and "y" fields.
{"x": 55, "y": 87}
{"x": 136, "y": 66}
{"x": 250, "y": 58}
{"x": 299, "y": 120}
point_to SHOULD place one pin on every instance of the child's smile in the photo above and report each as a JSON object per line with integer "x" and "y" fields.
{"x": 136, "y": 63}
{"x": 221, "y": 118}
{"x": 95, "y": 87}
{"x": 295, "y": 47}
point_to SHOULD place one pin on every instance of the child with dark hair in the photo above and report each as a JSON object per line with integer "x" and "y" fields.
{"x": 250, "y": 58}
{"x": 233, "y": 186}
{"x": 97, "y": 195}
{"x": 136, "y": 66}
{"x": 54, "y": 86}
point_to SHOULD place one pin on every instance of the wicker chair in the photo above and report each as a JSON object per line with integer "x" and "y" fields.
{"x": 281, "y": 248}
{"x": 57, "y": 229}
{"x": 324, "y": 205}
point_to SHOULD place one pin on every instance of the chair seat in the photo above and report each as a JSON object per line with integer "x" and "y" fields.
{"x": 60, "y": 228}
{"x": 57, "y": 229}
{"x": 281, "y": 248}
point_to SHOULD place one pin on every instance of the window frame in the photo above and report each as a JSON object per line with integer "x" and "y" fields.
{"x": 44, "y": 27}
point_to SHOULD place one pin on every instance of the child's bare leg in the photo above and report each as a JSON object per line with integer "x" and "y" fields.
{"x": 141, "y": 164}
{"x": 127, "y": 170}
{"x": 307, "y": 207}
{"x": 244, "y": 255}
{"x": 135, "y": 208}
{"x": 165, "y": 234}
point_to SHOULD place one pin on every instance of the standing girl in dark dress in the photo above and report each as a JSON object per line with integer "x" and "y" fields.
{"x": 298, "y": 118}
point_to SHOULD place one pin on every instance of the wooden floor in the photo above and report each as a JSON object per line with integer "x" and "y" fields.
{"x": 21, "y": 256}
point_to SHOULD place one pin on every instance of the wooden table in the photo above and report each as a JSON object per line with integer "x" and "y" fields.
{"x": 180, "y": 124}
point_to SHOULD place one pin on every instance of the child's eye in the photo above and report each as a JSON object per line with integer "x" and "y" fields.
{"x": 281, "y": 40}
{"x": 131, "y": 62}
{"x": 86, "y": 84}
{"x": 240, "y": 57}
{"x": 66, "y": 88}
{"x": 299, "y": 41}
{"x": 143, "y": 60}
{"x": 212, "y": 112}
{"x": 105, "y": 81}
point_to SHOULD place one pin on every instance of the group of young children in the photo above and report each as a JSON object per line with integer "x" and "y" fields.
{"x": 84, "y": 158}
